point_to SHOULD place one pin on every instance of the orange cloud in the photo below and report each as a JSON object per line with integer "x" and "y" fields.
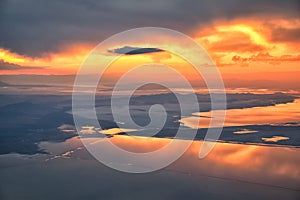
{"x": 266, "y": 57}
{"x": 286, "y": 31}
{"x": 234, "y": 44}
{"x": 65, "y": 62}
{"x": 242, "y": 41}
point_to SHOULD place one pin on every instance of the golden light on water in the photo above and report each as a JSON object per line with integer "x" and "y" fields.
{"x": 280, "y": 113}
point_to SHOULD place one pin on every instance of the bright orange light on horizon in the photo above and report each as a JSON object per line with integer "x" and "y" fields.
{"x": 64, "y": 62}
{"x": 243, "y": 47}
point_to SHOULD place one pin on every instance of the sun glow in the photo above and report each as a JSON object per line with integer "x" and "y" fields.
{"x": 240, "y": 46}
{"x": 65, "y": 62}
{"x": 10, "y": 57}
{"x": 254, "y": 36}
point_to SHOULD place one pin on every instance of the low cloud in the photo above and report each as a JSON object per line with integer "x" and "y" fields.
{"x": 266, "y": 57}
{"x": 234, "y": 41}
{"x": 128, "y": 50}
{"x": 286, "y": 35}
{"x": 11, "y": 66}
{"x": 285, "y": 31}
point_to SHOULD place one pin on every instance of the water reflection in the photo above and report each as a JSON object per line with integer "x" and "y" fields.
{"x": 245, "y": 131}
{"x": 275, "y": 166}
{"x": 113, "y": 131}
{"x": 277, "y": 114}
{"x": 275, "y": 138}
{"x": 230, "y": 171}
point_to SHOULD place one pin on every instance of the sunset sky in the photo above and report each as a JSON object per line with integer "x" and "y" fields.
{"x": 254, "y": 40}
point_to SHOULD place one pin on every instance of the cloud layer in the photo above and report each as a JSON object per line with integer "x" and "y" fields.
{"x": 35, "y": 27}
{"x": 11, "y": 66}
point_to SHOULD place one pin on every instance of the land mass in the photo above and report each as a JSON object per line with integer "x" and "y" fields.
{"x": 26, "y": 120}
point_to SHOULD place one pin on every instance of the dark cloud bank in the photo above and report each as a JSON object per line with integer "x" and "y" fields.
{"x": 35, "y": 27}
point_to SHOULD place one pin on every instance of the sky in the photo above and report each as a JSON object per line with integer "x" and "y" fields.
{"x": 255, "y": 40}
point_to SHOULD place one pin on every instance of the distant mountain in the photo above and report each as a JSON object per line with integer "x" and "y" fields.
{"x": 24, "y": 79}
{"x": 3, "y": 84}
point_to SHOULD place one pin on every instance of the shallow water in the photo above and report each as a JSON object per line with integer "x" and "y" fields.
{"x": 279, "y": 114}
{"x": 230, "y": 171}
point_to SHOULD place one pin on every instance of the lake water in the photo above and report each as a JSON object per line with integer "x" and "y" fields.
{"x": 281, "y": 114}
{"x": 230, "y": 171}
